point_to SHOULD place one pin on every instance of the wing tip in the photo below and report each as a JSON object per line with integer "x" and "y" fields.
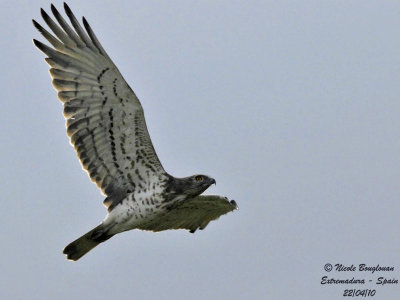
{"x": 42, "y": 47}
{"x": 84, "y": 21}
{"x": 86, "y": 24}
{"x": 37, "y": 43}
{"x": 234, "y": 204}
{"x": 36, "y": 24}
{"x": 38, "y": 27}
{"x": 67, "y": 9}
{"x": 44, "y": 14}
{"x": 54, "y": 10}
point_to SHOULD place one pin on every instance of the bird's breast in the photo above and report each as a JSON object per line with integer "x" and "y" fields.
{"x": 135, "y": 210}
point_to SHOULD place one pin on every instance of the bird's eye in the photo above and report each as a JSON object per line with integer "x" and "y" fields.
{"x": 199, "y": 178}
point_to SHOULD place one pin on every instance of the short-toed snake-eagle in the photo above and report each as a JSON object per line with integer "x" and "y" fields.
{"x": 106, "y": 125}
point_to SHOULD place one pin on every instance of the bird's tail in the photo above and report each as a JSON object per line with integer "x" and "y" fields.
{"x": 87, "y": 242}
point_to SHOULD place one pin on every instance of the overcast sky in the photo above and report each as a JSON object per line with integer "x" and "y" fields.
{"x": 292, "y": 106}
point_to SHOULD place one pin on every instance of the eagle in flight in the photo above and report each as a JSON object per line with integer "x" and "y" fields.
{"x": 106, "y": 125}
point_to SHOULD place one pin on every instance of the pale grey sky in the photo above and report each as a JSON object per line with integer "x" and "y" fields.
{"x": 293, "y": 106}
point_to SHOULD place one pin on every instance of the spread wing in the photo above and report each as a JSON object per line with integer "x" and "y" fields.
{"x": 105, "y": 120}
{"x": 192, "y": 214}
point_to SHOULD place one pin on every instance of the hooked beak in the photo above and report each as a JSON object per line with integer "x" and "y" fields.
{"x": 212, "y": 181}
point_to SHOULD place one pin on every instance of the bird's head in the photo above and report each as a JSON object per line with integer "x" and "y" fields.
{"x": 191, "y": 186}
{"x": 197, "y": 184}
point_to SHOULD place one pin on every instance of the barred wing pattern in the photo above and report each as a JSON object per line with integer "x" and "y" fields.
{"x": 105, "y": 120}
{"x": 192, "y": 214}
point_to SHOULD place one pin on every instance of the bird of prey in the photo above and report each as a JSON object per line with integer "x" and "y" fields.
{"x": 106, "y": 125}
